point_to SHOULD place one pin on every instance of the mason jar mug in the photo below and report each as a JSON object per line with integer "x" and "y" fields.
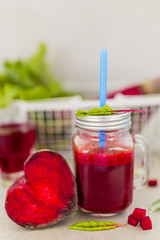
{"x": 104, "y": 160}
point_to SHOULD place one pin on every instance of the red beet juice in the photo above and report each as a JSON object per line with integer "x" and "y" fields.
{"x": 104, "y": 179}
{"x": 16, "y": 142}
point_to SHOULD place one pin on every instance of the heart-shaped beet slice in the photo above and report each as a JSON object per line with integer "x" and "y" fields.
{"x": 45, "y": 195}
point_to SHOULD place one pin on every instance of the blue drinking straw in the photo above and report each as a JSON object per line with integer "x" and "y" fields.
{"x": 103, "y": 89}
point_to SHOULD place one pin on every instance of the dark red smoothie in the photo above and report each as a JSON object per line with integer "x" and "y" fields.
{"x": 104, "y": 179}
{"x": 16, "y": 142}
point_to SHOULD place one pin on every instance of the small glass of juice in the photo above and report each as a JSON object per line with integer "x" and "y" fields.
{"x": 16, "y": 144}
{"x": 104, "y": 161}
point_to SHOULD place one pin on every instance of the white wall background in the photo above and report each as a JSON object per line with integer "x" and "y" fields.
{"x": 76, "y": 30}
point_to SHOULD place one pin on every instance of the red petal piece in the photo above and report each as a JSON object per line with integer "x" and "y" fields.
{"x": 152, "y": 182}
{"x": 139, "y": 213}
{"x": 146, "y": 223}
{"x": 132, "y": 221}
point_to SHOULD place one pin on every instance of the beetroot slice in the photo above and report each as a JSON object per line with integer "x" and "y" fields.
{"x": 132, "y": 221}
{"x": 139, "y": 213}
{"x": 146, "y": 223}
{"x": 45, "y": 195}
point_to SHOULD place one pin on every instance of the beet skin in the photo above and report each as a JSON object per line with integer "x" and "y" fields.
{"x": 45, "y": 195}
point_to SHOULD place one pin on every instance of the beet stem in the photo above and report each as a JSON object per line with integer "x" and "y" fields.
{"x": 130, "y": 110}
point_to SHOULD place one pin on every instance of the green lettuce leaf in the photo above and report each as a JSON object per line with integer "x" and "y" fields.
{"x": 29, "y": 80}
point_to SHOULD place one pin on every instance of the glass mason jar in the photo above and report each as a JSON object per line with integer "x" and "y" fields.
{"x": 16, "y": 144}
{"x": 104, "y": 160}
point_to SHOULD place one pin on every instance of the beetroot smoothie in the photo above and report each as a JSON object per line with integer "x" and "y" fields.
{"x": 104, "y": 179}
{"x": 16, "y": 142}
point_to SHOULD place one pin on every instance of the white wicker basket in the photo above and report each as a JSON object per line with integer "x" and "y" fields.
{"x": 54, "y": 118}
{"x": 146, "y": 123}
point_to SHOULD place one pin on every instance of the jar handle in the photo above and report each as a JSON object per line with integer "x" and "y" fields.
{"x": 142, "y": 143}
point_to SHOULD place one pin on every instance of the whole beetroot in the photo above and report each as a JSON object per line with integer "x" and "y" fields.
{"x": 45, "y": 195}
